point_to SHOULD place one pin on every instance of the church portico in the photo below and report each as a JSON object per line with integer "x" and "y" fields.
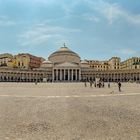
{"x": 66, "y": 74}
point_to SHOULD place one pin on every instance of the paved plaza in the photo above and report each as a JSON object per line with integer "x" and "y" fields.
{"x": 69, "y": 111}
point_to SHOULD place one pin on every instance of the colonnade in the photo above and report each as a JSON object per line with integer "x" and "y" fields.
{"x": 112, "y": 77}
{"x": 20, "y": 77}
{"x": 66, "y": 74}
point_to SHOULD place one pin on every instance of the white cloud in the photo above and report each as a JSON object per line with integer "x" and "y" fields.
{"x": 90, "y": 17}
{"x": 69, "y": 7}
{"x": 37, "y": 1}
{"x": 135, "y": 19}
{"x": 113, "y": 12}
{"x": 42, "y": 33}
{"x": 5, "y": 21}
{"x": 47, "y": 2}
{"x": 127, "y": 51}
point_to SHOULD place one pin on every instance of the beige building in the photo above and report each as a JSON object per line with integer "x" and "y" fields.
{"x": 131, "y": 63}
{"x": 98, "y": 65}
{"x": 27, "y": 61}
{"x": 5, "y": 59}
{"x": 111, "y": 64}
{"x": 136, "y": 65}
{"x": 65, "y": 65}
{"x": 114, "y": 63}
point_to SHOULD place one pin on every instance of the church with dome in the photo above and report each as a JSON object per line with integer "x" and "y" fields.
{"x": 64, "y": 65}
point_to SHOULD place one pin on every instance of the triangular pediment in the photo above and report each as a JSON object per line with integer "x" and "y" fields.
{"x": 67, "y": 64}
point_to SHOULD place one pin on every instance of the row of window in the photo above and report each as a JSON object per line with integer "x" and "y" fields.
{"x": 99, "y": 66}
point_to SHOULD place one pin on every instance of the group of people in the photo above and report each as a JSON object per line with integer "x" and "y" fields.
{"x": 101, "y": 84}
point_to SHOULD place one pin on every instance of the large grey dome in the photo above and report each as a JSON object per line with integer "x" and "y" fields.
{"x": 64, "y": 54}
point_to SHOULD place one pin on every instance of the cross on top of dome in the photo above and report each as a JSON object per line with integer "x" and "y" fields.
{"x": 64, "y": 48}
{"x": 65, "y": 45}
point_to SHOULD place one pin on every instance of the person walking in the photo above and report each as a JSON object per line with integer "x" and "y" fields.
{"x": 100, "y": 84}
{"x": 85, "y": 83}
{"x": 95, "y": 84}
{"x": 36, "y": 82}
{"x": 90, "y": 83}
{"x": 109, "y": 85}
{"x": 103, "y": 84}
{"x": 119, "y": 85}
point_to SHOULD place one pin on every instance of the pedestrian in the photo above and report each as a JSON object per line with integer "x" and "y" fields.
{"x": 85, "y": 83}
{"x": 108, "y": 85}
{"x": 36, "y": 82}
{"x": 95, "y": 84}
{"x": 90, "y": 83}
{"x": 103, "y": 85}
{"x": 119, "y": 85}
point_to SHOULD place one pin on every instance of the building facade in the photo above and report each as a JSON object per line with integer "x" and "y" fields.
{"x": 65, "y": 65}
{"x": 131, "y": 63}
{"x": 98, "y": 65}
{"x": 27, "y": 61}
{"x": 5, "y": 59}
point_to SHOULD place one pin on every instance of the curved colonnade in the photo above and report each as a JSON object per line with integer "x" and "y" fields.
{"x": 32, "y": 76}
{"x": 113, "y": 76}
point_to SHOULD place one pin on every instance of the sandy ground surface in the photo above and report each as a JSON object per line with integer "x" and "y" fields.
{"x": 69, "y": 111}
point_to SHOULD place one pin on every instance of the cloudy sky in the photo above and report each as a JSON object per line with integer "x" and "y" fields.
{"x": 95, "y": 29}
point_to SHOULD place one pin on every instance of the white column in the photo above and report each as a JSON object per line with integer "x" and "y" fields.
{"x": 53, "y": 75}
{"x": 56, "y": 74}
{"x": 76, "y": 74}
{"x": 79, "y": 74}
{"x": 61, "y": 74}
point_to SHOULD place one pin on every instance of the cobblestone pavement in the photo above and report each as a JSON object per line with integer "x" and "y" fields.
{"x": 69, "y": 112}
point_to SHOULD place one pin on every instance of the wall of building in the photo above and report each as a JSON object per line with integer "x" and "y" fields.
{"x": 15, "y": 75}
{"x": 114, "y": 63}
{"x": 12, "y": 75}
{"x": 27, "y": 61}
{"x": 4, "y": 59}
{"x": 129, "y": 63}
{"x": 98, "y": 65}
{"x": 112, "y": 76}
